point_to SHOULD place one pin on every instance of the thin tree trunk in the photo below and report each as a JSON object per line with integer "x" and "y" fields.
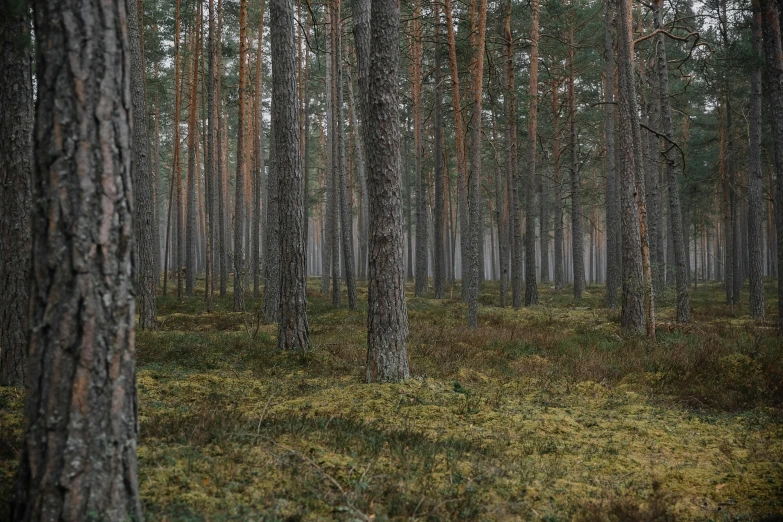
{"x": 334, "y": 146}
{"x": 178, "y": 83}
{"x": 257, "y": 174}
{"x": 559, "y": 275}
{"x": 239, "y": 217}
{"x": 459, "y": 143}
{"x": 190, "y": 240}
{"x": 387, "y": 316}
{"x": 422, "y": 225}
{"x": 577, "y": 219}
{"x": 16, "y": 164}
{"x": 613, "y": 268}
{"x": 673, "y": 183}
{"x": 475, "y": 167}
{"x": 439, "y": 217}
{"x": 220, "y": 136}
{"x": 361, "y": 37}
{"x": 78, "y": 460}
{"x": 512, "y": 183}
{"x": 531, "y": 288}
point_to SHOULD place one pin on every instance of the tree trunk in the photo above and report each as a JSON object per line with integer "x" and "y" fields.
{"x": 334, "y": 146}
{"x": 178, "y": 222}
{"x": 422, "y": 225}
{"x": 221, "y": 193}
{"x": 387, "y": 317}
{"x": 672, "y": 179}
{"x": 438, "y": 262}
{"x": 239, "y": 217}
{"x": 559, "y": 275}
{"x": 79, "y": 461}
{"x": 143, "y": 178}
{"x": 632, "y": 317}
{"x": 292, "y": 333}
{"x": 459, "y": 144}
{"x": 361, "y": 37}
{"x": 755, "y": 176}
{"x": 512, "y": 183}
{"x": 613, "y": 268}
{"x": 774, "y": 59}
{"x": 475, "y": 168}
{"x": 346, "y": 213}
{"x": 16, "y": 158}
{"x": 257, "y": 174}
{"x": 531, "y": 288}
{"x": 193, "y": 170}
{"x": 577, "y": 219}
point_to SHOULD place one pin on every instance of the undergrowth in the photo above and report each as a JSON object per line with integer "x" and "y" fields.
{"x": 548, "y": 413}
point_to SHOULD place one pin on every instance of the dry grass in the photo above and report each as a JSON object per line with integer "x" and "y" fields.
{"x": 544, "y": 413}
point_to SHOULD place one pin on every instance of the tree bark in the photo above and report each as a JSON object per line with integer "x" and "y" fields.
{"x": 512, "y": 182}
{"x": 672, "y": 179}
{"x": 577, "y": 219}
{"x": 531, "y": 288}
{"x": 361, "y": 37}
{"x": 292, "y": 327}
{"x": 613, "y": 268}
{"x": 143, "y": 178}
{"x": 459, "y": 144}
{"x": 422, "y": 225}
{"x": 193, "y": 170}
{"x": 239, "y": 217}
{"x": 773, "y": 54}
{"x": 755, "y": 175}
{"x": 179, "y": 216}
{"x": 78, "y": 460}
{"x": 438, "y": 262}
{"x": 387, "y": 317}
{"x": 16, "y": 163}
{"x": 474, "y": 173}
{"x": 557, "y": 181}
{"x": 632, "y": 317}
{"x": 257, "y": 174}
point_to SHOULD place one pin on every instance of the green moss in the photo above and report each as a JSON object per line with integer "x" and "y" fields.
{"x": 542, "y": 413}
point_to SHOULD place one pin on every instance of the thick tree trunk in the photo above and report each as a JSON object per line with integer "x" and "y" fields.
{"x": 632, "y": 317}
{"x": 613, "y": 268}
{"x": 531, "y": 288}
{"x": 143, "y": 178}
{"x": 272, "y": 239}
{"x": 193, "y": 170}
{"x": 773, "y": 54}
{"x": 387, "y": 317}
{"x": 16, "y": 145}
{"x": 292, "y": 333}
{"x": 672, "y": 179}
{"x": 239, "y": 202}
{"x": 78, "y": 460}
{"x": 755, "y": 176}
{"x": 438, "y": 263}
{"x": 474, "y": 173}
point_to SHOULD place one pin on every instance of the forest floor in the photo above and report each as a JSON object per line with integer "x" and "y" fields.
{"x": 548, "y": 413}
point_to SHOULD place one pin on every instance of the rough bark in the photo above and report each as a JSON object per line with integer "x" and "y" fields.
{"x": 474, "y": 172}
{"x": 78, "y": 459}
{"x": 272, "y": 233}
{"x": 292, "y": 333}
{"x": 672, "y": 178}
{"x": 755, "y": 175}
{"x": 346, "y": 213}
{"x": 613, "y": 269}
{"x": 459, "y": 144}
{"x": 438, "y": 262}
{"x": 422, "y": 221}
{"x": 222, "y": 195}
{"x": 632, "y": 317}
{"x": 387, "y": 317}
{"x": 211, "y": 167}
{"x": 193, "y": 170}
{"x": 361, "y": 37}
{"x": 329, "y": 224}
{"x": 143, "y": 179}
{"x": 531, "y": 288}
{"x": 177, "y": 170}
{"x": 773, "y": 54}
{"x": 16, "y": 145}
{"x": 258, "y": 170}
{"x": 334, "y": 146}
{"x": 239, "y": 200}
{"x": 559, "y": 275}
{"x": 577, "y": 219}
{"x": 512, "y": 182}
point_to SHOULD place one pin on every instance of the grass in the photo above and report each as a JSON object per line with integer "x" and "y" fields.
{"x": 547, "y": 413}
